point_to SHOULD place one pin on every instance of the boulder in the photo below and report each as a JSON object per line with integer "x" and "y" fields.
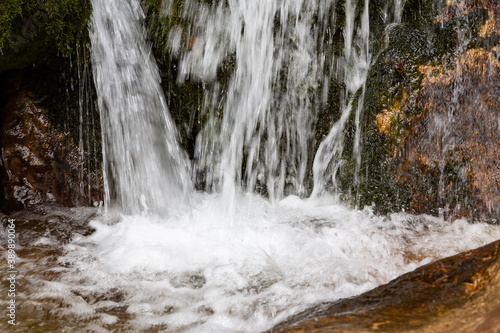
{"x": 455, "y": 294}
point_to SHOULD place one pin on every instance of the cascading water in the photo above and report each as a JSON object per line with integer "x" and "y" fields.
{"x": 181, "y": 269}
{"x": 264, "y": 138}
{"x": 88, "y": 131}
{"x": 282, "y": 64}
{"x": 144, "y": 167}
{"x": 356, "y": 64}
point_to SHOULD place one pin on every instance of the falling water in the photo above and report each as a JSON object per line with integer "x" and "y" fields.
{"x": 88, "y": 130}
{"x": 144, "y": 167}
{"x": 182, "y": 269}
{"x": 356, "y": 64}
{"x": 283, "y": 62}
{"x": 263, "y": 140}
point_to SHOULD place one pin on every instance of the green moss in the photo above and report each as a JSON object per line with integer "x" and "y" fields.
{"x": 185, "y": 99}
{"x": 32, "y": 31}
{"x": 9, "y": 11}
{"x": 373, "y": 183}
{"x": 392, "y": 79}
{"x": 329, "y": 114}
{"x": 422, "y": 13}
{"x": 448, "y": 37}
{"x": 394, "y": 82}
{"x": 160, "y": 24}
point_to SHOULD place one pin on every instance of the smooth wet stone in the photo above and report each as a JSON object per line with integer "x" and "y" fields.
{"x": 456, "y": 294}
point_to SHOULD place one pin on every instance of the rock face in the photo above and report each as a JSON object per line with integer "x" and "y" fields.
{"x": 456, "y": 294}
{"x": 457, "y": 137}
{"x": 39, "y": 163}
{"x": 450, "y": 154}
{"x": 430, "y": 127}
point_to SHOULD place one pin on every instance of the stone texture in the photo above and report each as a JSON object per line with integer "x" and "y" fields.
{"x": 459, "y": 130}
{"x": 40, "y": 164}
{"x": 456, "y": 294}
{"x": 433, "y": 104}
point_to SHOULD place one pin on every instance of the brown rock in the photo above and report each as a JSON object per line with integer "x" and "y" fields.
{"x": 456, "y": 294}
{"x": 459, "y": 127}
{"x": 40, "y": 164}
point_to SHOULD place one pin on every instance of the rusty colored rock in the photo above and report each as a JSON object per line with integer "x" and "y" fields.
{"x": 459, "y": 126}
{"x": 41, "y": 165}
{"x": 398, "y": 64}
{"x": 456, "y": 294}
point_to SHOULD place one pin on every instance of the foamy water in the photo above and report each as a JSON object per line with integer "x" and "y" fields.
{"x": 193, "y": 273}
{"x": 179, "y": 261}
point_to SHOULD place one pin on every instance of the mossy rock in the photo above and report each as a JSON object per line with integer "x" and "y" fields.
{"x": 422, "y": 13}
{"x": 393, "y": 89}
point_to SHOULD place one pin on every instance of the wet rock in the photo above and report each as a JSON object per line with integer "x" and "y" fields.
{"x": 453, "y": 145}
{"x": 456, "y": 294}
{"x": 52, "y": 225}
{"x": 40, "y": 164}
{"x": 430, "y": 122}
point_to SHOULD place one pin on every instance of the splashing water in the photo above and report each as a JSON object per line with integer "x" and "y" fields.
{"x": 264, "y": 139}
{"x": 190, "y": 274}
{"x": 260, "y": 134}
{"x": 185, "y": 268}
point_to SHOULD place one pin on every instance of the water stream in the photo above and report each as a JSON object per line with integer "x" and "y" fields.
{"x": 143, "y": 164}
{"x": 230, "y": 260}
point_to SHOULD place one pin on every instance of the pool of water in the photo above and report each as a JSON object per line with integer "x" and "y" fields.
{"x": 207, "y": 272}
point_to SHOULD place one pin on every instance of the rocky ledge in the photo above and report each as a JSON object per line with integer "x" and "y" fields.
{"x": 456, "y": 294}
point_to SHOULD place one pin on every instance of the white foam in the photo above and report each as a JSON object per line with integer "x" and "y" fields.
{"x": 192, "y": 273}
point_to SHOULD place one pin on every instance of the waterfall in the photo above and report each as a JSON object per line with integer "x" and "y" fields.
{"x": 356, "y": 62}
{"x": 263, "y": 140}
{"x": 259, "y": 133}
{"x": 171, "y": 261}
{"x": 144, "y": 168}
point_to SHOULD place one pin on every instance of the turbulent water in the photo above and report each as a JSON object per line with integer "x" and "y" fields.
{"x": 176, "y": 260}
{"x": 193, "y": 273}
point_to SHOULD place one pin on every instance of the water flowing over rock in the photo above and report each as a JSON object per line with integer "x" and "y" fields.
{"x": 314, "y": 132}
{"x": 456, "y": 294}
{"x": 457, "y": 136}
{"x": 144, "y": 167}
{"x": 430, "y": 115}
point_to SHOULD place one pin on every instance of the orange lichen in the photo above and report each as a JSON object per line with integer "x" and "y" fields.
{"x": 384, "y": 121}
{"x": 386, "y": 118}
